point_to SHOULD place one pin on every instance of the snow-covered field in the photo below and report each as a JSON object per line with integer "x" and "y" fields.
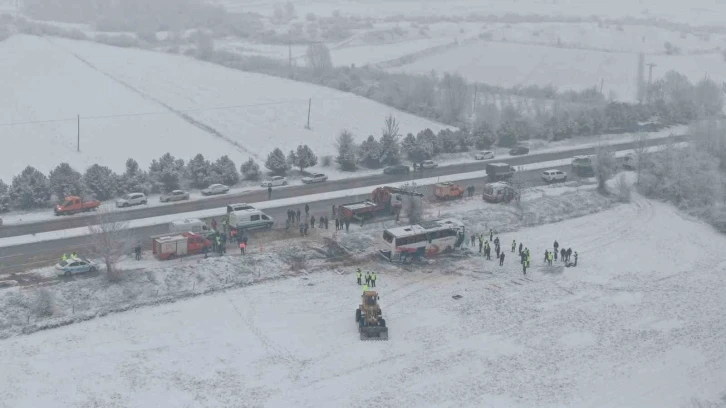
{"x": 697, "y": 12}
{"x": 512, "y": 65}
{"x": 637, "y": 323}
{"x": 142, "y": 104}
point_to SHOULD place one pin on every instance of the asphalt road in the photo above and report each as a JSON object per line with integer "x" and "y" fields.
{"x": 23, "y": 257}
{"x": 82, "y": 220}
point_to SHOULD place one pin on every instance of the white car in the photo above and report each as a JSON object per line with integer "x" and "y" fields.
{"x": 484, "y": 155}
{"x": 75, "y": 265}
{"x": 275, "y": 181}
{"x": 315, "y": 178}
{"x": 550, "y": 176}
{"x": 428, "y": 164}
{"x": 131, "y": 199}
{"x": 215, "y": 189}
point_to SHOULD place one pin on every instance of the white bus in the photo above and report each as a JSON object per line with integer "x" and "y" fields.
{"x": 426, "y": 238}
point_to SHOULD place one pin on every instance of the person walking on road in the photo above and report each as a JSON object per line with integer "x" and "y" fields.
{"x": 269, "y": 192}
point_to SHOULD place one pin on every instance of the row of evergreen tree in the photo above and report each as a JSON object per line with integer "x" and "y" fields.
{"x": 33, "y": 189}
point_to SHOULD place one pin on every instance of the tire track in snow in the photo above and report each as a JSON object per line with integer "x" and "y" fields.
{"x": 194, "y": 122}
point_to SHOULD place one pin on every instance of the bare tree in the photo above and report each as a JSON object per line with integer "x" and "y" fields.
{"x": 110, "y": 241}
{"x": 391, "y": 127}
{"x": 604, "y": 166}
{"x": 318, "y": 56}
{"x": 639, "y": 154}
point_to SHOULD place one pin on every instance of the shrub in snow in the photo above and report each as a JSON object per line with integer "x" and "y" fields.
{"x": 30, "y": 189}
{"x": 43, "y": 303}
{"x": 134, "y": 180}
{"x": 622, "y": 189}
{"x": 318, "y": 57}
{"x": 167, "y": 173}
{"x": 326, "y": 160}
{"x": 277, "y": 162}
{"x": 250, "y": 170}
{"x": 110, "y": 241}
{"x": 101, "y": 182}
{"x": 369, "y": 153}
{"x": 199, "y": 171}
{"x": 448, "y": 140}
{"x": 304, "y": 157}
{"x": 346, "y": 147}
{"x": 65, "y": 181}
{"x": 483, "y": 135}
{"x": 604, "y": 165}
{"x": 3, "y": 188}
{"x": 225, "y": 171}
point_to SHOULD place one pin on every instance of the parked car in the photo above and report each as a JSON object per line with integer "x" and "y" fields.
{"x": 131, "y": 199}
{"x": 215, "y": 189}
{"x": 75, "y": 265}
{"x": 275, "y": 181}
{"x": 519, "y": 150}
{"x": 399, "y": 169}
{"x": 176, "y": 195}
{"x": 315, "y": 178}
{"x": 582, "y": 166}
{"x": 484, "y": 155}
{"x": 550, "y": 176}
{"x": 429, "y": 164}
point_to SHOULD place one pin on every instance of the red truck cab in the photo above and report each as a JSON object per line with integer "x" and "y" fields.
{"x": 74, "y": 205}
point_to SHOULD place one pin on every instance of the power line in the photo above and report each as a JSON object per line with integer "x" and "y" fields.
{"x": 167, "y": 112}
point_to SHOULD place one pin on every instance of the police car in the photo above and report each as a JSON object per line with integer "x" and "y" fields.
{"x": 72, "y": 266}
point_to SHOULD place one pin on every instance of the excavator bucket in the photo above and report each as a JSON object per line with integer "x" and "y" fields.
{"x": 374, "y": 333}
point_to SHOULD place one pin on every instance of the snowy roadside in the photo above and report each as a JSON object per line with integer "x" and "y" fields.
{"x": 270, "y": 256}
{"x": 21, "y": 217}
{"x": 217, "y": 212}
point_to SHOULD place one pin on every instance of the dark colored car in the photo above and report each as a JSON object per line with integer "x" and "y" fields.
{"x": 400, "y": 169}
{"x": 519, "y": 150}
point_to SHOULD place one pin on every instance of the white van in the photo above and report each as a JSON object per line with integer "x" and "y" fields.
{"x": 190, "y": 225}
{"x": 250, "y": 219}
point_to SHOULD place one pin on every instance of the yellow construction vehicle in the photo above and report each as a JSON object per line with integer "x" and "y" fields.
{"x": 371, "y": 324}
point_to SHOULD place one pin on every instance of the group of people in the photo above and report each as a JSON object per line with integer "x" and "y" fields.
{"x": 524, "y": 253}
{"x": 66, "y": 257}
{"x": 370, "y": 279}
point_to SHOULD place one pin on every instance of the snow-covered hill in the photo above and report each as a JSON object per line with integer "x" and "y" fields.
{"x": 141, "y": 104}
{"x": 639, "y": 322}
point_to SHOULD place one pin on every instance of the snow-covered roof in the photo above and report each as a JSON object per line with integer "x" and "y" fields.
{"x": 425, "y": 226}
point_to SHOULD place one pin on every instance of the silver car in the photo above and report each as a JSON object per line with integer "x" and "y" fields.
{"x": 215, "y": 189}
{"x": 176, "y": 195}
{"x": 131, "y": 199}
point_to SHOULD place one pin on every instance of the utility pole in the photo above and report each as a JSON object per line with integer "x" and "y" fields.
{"x": 310, "y": 103}
{"x": 473, "y": 108}
{"x": 78, "y": 137}
{"x": 289, "y": 50}
{"x": 650, "y": 79}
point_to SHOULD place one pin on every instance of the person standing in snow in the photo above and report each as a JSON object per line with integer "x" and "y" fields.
{"x": 373, "y": 279}
{"x": 358, "y": 275}
{"x": 524, "y": 267}
{"x": 368, "y": 277}
{"x": 514, "y": 245}
{"x": 556, "y": 245}
{"x": 305, "y": 229}
{"x": 269, "y": 192}
{"x": 347, "y": 224}
{"x": 497, "y": 249}
{"x": 473, "y": 237}
{"x": 520, "y": 248}
{"x": 562, "y": 253}
{"x": 568, "y": 253}
{"x": 307, "y": 210}
{"x": 242, "y": 247}
{"x": 556, "y": 254}
{"x": 549, "y": 259}
{"x": 501, "y": 259}
{"x": 297, "y": 216}
{"x": 312, "y": 221}
{"x": 491, "y": 234}
{"x": 547, "y": 255}
{"x": 481, "y": 243}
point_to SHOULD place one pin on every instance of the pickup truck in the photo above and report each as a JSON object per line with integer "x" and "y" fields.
{"x": 74, "y": 205}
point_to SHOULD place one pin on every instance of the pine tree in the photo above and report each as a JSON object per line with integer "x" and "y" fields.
{"x": 250, "y": 170}
{"x": 167, "y": 173}
{"x": 408, "y": 144}
{"x": 304, "y": 157}
{"x": 507, "y": 134}
{"x": 483, "y": 135}
{"x": 276, "y": 162}
{"x": 448, "y": 141}
{"x": 428, "y": 138}
{"x": 464, "y": 140}
{"x": 370, "y": 152}
{"x": 3, "y": 188}
{"x": 291, "y": 158}
{"x": 199, "y": 171}
{"x": 346, "y": 151}
{"x": 101, "y": 181}
{"x": 225, "y": 171}
{"x": 65, "y": 181}
{"x": 30, "y": 189}
{"x": 134, "y": 180}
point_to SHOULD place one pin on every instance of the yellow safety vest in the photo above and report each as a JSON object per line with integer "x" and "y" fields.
{"x": 373, "y": 277}
{"x": 365, "y": 288}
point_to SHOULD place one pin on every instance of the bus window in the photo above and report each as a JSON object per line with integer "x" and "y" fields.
{"x": 388, "y": 236}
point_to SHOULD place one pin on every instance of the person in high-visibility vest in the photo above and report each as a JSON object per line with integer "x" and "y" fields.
{"x": 373, "y": 279}
{"x": 358, "y": 274}
{"x": 64, "y": 257}
{"x": 365, "y": 288}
